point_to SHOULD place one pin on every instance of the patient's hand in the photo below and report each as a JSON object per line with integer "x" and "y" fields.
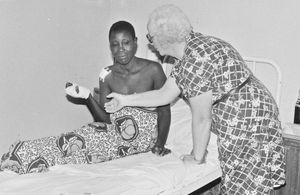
{"x": 160, "y": 151}
{"x": 77, "y": 91}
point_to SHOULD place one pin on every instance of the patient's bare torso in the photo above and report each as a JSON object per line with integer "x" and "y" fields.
{"x": 135, "y": 80}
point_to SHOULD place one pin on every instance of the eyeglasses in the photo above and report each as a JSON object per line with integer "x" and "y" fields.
{"x": 150, "y": 38}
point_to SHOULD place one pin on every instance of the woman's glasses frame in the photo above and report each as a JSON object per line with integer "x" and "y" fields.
{"x": 150, "y": 38}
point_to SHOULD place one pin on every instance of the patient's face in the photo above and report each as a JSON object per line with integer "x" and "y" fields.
{"x": 123, "y": 46}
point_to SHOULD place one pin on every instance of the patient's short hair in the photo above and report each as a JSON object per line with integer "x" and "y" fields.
{"x": 122, "y": 26}
{"x": 169, "y": 24}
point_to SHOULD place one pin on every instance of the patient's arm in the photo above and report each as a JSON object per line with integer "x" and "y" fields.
{"x": 96, "y": 105}
{"x": 96, "y": 110}
{"x": 76, "y": 91}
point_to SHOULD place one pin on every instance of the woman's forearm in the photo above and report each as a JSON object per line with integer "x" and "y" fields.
{"x": 201, "y": 136}
{"x": 159, "y": 97}
{"x": 201, "y": 123}
{"x": 147, "y": 99}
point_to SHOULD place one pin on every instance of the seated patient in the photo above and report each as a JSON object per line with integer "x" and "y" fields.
{"x": 129, "y": 131}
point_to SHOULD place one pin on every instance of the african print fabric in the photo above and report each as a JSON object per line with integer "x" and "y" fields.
{"x": 133, "y": 130}
{"x": 250, "y": 143}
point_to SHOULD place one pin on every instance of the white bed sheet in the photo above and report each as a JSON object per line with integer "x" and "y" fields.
{"x": 138, "y": 174}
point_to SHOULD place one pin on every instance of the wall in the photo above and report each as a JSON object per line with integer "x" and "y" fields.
{"x": 257, "y": 28}
{"x": 45, "y": 43}
{"x": 261, "y": 28}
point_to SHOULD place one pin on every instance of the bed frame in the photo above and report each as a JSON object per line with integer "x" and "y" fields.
{"x": 253, "y": 63}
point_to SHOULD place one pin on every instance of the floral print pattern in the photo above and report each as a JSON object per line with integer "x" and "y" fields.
{"x": 93, "y": 143}
{"x": 250, "y": 143}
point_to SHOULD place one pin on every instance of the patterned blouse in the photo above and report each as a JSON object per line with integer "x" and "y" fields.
{"x": 208, "y": 64}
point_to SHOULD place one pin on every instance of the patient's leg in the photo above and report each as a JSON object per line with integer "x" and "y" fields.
{"x": 92, "y": 143}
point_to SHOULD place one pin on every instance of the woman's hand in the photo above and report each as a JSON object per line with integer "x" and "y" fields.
{"x": 115, "y": 104}
{"x": 190, "y": 159}
{"x": 77, "y": 91}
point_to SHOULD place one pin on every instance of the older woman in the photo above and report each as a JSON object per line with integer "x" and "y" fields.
{"x": 225, "y": 97}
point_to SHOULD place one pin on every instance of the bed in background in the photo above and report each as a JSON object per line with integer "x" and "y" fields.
{"x": 138, "y": 174}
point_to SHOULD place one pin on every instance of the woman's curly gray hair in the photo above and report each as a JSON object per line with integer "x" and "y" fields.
{"x": 168, "y": 24}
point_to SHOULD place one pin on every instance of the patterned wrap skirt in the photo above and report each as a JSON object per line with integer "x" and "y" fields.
{"x": 250, "y": 143}
{"x": 133, "y": 130}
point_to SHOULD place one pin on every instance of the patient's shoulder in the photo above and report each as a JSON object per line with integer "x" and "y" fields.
{"x": 150, "y": 65}
{"x": 104, "y": 73}
{"x": 147, "y": 62}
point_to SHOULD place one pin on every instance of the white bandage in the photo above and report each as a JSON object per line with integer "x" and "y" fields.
{"x": 104, "y": 72}
{"x": 77, "y": 91}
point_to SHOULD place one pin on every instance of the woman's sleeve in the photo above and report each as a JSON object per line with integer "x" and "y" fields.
{"x": 197, "y": 77}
